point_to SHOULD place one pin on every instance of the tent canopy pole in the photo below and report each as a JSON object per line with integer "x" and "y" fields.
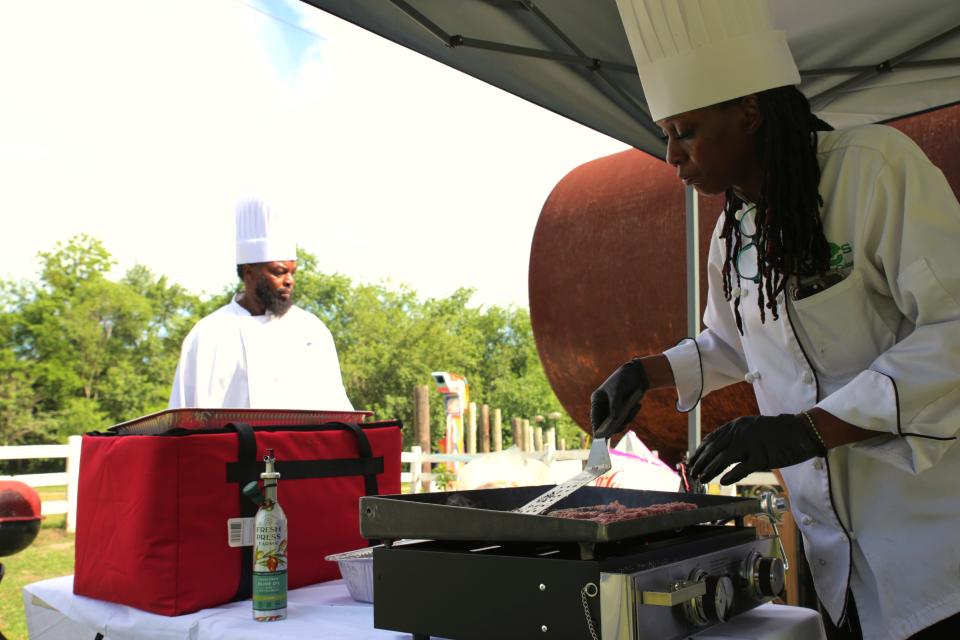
{"x": 693, "y": 298}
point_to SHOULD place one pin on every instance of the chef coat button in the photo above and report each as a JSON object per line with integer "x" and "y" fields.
{"x": 807, "y": 377}
{"x": 779, "y": 298}
{"x": 821, "y": 562}
{"x": 736, "y": 292}
{"x": 818, "y": 464}
{"x": 806, "y": 521}
{"x": 843, "y": 538}
{"x": 751, "y": 377}
{"x": 852, "y": 535}
{"x": 744, "y": 293}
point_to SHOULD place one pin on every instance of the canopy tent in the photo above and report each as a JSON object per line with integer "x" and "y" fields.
{"x": 861, "y": 61}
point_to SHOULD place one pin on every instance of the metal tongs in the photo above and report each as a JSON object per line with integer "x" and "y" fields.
{"x": 598, "y": 463}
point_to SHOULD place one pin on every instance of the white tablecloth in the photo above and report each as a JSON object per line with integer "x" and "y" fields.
{"x": 319, "y": 611}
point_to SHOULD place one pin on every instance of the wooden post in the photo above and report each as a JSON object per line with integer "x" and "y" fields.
{"x": 554, "y": 418}
{"x": 472, "y": 428}
{"x": 519, "y": 435}
{"x": 73, "y": 481}
{"x": 497, "y": 430}
{"x": 415, "y": 479}
{"x": 527, "y": 436}
{"x": 485, "y": 427}
{"x": 563, "y": 444}
{"x": 421, "y": 421}
{"x": 538, "y": 432}
{"x": 552, "y": 438}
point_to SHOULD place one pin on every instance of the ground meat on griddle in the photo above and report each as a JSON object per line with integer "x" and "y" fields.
{"x": 616, "y": 512}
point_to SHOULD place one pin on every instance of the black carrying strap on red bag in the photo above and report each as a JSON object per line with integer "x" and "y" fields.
{"x": 248, "y": 469}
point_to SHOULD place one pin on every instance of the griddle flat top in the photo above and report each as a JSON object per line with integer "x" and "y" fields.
{"x": 486, "y": 515}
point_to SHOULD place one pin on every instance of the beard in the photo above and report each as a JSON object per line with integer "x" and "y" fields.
{"x": 271, "y": 299}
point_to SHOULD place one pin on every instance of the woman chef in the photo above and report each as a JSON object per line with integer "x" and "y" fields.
{"x": 834, "y": 289}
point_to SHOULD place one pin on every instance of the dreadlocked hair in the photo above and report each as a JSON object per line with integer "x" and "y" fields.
{"x": 789, "y": 237}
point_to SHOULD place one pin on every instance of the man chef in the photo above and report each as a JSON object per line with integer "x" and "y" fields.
{"x": 260, "y": 351}
{"x": 834, "y": 289}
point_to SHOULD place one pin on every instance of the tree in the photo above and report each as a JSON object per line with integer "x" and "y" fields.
{"x": 389, "y": 340}
{"x": 80, "y": 351}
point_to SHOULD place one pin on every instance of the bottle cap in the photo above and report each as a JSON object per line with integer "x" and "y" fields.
{"x": 270, "y": 473}
{"x": 252, "y": 491}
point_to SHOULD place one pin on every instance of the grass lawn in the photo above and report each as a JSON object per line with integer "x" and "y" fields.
{"x": 50, "y": 555}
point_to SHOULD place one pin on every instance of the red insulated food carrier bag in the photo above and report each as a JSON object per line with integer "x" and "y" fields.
{"x": 154, "y": 502}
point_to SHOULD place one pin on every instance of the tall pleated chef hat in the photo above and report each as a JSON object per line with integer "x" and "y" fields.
{"x": 696, "y": 53}
{"x": 261, "y": 234}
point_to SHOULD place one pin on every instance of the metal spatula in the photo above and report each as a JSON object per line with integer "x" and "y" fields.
{"x": 598, "y": 463}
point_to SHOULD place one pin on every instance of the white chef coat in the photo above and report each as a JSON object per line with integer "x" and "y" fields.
{"x": 232, "y": 359}
{"x": 880, "y": 350}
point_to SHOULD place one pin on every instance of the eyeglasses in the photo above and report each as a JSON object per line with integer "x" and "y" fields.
{"x": 746, "y": 262}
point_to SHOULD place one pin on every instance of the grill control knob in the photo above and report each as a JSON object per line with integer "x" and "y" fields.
{"x": 718, "y": 600}
{"x": 765, "y": 575}
{"x": 715, "y": 604}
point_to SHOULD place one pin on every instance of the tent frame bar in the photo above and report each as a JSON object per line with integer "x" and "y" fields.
{"x": 886, "y": 66}
{"x": 597, "y": 67}
{"x": 423, "y": 21}
{"x": 581, "y": 59}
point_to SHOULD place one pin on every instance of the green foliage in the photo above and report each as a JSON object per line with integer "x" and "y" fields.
{"x": 389, "y": 341}
{"x": 80, "y": 350}
{"x": 443, "y": 476}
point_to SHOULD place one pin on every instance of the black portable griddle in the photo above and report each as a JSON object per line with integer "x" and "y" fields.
{"x": 486, "y": 516}
{"x": 658, "y": 577}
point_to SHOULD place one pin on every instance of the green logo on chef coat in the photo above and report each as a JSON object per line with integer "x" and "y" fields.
{"x": 840, "y": 255}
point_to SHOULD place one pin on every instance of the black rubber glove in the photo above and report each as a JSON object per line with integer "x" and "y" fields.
{"x": 615, "y": 403}
{"x": 758, "y": 443}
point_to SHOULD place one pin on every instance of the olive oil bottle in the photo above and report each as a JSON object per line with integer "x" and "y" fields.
{"x": 270, "y": 550}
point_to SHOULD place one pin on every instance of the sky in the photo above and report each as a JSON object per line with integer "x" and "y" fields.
{"x": 141, "y": 123}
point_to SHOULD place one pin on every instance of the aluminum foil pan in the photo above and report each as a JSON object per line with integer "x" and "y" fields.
{"x": 356, "y": 567}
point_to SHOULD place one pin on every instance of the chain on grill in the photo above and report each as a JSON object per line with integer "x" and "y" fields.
{"x": 586, "y": 607}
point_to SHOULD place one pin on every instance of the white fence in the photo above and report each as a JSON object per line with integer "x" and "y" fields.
{"x": 70, "y": 478}
{"x": 418, "y": 481}
{"x": 424, "y": 482}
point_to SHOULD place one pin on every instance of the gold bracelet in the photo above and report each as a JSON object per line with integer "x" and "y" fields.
{"x": 813, "y": 426}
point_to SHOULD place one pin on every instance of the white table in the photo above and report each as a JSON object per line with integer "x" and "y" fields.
{"x": 318, "y": 611}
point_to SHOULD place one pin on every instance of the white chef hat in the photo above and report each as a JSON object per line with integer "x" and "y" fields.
{"x": 261, "y": 234}
{"x": 695, "y": 53}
